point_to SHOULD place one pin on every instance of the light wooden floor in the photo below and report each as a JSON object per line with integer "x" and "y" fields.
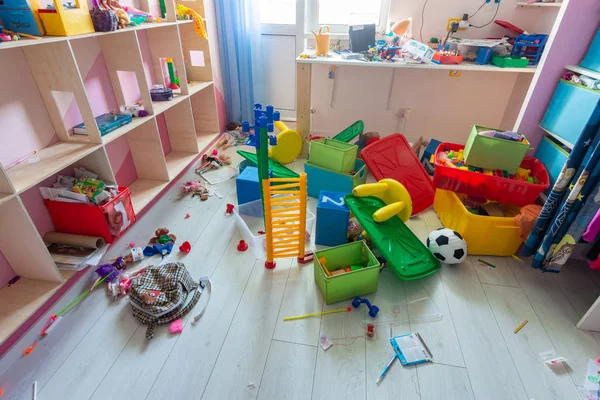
{"x": 242, "y": 349}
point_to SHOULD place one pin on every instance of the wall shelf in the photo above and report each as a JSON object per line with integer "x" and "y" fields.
{"x": 583, "y": 71}
{"x": 145, "y": 155}
{"x": 51, "y": 160}
{"x": 50, "y": 39}
{"x": 545, "y": 5}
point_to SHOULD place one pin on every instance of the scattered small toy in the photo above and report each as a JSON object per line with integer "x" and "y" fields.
{"x": 185, "y": 247}
{"x": 242, "y": 245}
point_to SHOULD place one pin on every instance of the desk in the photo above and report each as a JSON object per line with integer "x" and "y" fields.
{"x": 303, "y": 82}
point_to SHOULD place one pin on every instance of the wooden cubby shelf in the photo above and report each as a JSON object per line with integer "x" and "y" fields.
{"x": 145, "y": 155}
{"x": 52, "y": 159}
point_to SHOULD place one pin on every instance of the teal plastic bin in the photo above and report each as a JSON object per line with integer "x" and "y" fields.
{"x": 552, "y": 156}
{"x": 323, "y": 179}
{"x": 572, "y": 110}
{"x": 592, "y": 58}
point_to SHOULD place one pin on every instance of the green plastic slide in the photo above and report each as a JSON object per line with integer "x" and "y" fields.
{"x": 408, "y": 257}
{"x": 279, "y": 171}
{"x": 350, "y": 132}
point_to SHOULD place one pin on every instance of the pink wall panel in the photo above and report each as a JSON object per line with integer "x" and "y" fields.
{"x": 121, "y": 161}
{"x": 6, "y": 272}
{"x": 164, "y": 134}
{"x": 34, "y": 203}
{"x": 24, "y": 123}
{"x": 575, "y": 33}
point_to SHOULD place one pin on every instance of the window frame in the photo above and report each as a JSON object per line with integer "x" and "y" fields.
{"x": 312, "y": 18}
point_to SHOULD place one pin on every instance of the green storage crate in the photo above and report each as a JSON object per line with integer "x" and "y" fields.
{"x": 493, "y": 153}
{"x": 510, "y": 61}
{"x": 350, "y": 284}
{"x": 333, "y": 155}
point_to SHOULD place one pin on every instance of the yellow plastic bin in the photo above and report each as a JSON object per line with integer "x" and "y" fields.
{"x": 492, "y": 236}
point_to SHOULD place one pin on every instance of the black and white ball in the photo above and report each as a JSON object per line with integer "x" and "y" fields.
{"x": 447, "y": 246}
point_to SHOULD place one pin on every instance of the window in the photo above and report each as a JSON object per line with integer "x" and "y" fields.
{"x": 278, "y": 12}
{"x": 338, "y": 14}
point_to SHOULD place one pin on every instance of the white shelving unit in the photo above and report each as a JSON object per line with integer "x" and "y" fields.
{"x": 543, "y": 5}
{"x": 191, "y": 120}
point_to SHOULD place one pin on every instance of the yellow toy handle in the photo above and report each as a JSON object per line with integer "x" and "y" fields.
{"x": 389, "y": 211}
{"x": 324, "y": 26}
{"x": 369, "y": 189}
{"x": 281, "y": 126}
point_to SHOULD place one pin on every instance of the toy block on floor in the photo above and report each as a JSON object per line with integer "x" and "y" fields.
{"x": 332, "y": 219}
{"x": 247, "y": 185}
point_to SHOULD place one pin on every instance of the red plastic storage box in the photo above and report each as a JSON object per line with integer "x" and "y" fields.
{"x": 502, "y": 190}
{"x": 91, "y": 220}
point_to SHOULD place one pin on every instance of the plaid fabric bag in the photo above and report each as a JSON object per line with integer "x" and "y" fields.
{"x": 165, "y": 293}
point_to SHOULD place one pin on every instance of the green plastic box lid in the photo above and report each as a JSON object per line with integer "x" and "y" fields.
{"x": 406, "y": 254}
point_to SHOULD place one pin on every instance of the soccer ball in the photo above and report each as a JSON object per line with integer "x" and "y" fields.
{"x": 447, "y": 246}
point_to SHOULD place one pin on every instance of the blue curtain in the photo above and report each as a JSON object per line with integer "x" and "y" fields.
{"x": 238, "y": 28}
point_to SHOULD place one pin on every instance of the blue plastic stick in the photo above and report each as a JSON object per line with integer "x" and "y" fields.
{"x": 385, "y": 370}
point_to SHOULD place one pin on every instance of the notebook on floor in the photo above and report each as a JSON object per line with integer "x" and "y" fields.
{"x": 411, "y": 349}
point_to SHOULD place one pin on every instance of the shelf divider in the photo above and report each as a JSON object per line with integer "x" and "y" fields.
{"x": 122, "y": 53}
{"x": 54, "y": 68}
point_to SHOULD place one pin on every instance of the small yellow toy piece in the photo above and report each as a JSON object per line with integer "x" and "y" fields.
{"x": 393, "y": 193}
{"x": 289, "y": 144}
{"x": 198, "y": 21}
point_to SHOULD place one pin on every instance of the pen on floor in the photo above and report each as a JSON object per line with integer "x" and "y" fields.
{"x": 385, "y": 370}
{"x": 34, "y": 390}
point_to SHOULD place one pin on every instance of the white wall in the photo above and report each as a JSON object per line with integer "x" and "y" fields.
{"x": 443, "y": 107}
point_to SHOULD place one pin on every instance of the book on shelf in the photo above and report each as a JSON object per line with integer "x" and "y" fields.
{"x": 106, "y": 123}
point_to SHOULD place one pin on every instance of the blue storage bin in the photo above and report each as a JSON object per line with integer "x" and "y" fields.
{"x": 552, "y": 156}
{"x": 247, "y": 185}
{"x": 572, "y": 110}
{"x": 324, "y": 179}
{"x": 332, "y": 219}
{"x": 592, "y": 58}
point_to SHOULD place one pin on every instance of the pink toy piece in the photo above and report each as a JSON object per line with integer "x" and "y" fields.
{"x": 176, "y": 326}
{"x": 187, "y": 216}
{"x": 215, "y": 152}
{"x": 131, "y": 244}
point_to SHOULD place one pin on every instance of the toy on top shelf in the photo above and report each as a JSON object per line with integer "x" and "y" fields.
{"x": 286, "y": 146}
{"x": 198, "y": 20}
{"x": 22, "y": 17}
{"x": 384, "y": 200}
{"x": 67, "y": 21}
{"x": 173, "y": 79}
{"x": 392, "y": 157}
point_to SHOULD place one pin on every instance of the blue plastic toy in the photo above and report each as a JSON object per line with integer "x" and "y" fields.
{"x": 247, "y": 186}
{"x": 373, "y": 309}
{"x": 271, "y": 115}
{"x": 332, "y": 219}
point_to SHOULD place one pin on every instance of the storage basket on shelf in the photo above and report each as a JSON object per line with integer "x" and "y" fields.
{"x": 349, "y": 284}
{"x": 333, "y": 155}
{"x": 492, "y": 236}
{"x": 530, "y": 46}
{"x": 573, "y": 109}
{"x": 494, "y": 153}
{"x": 92, "y": 220}
{"x": 592, "y": 57}
{"x": 502, "y": 190}
{"x": 319, "y": 178}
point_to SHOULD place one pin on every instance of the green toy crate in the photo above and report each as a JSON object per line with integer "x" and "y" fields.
{"x": 333, "y": 155}
{"x": 493, "y": 153}
{"x": 510, "y": 61}
{"x": 349, "y": 284}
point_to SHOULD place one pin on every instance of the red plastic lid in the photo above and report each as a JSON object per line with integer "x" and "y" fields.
{"x": 392, "y": 157}
{"x": 509, "y": 26}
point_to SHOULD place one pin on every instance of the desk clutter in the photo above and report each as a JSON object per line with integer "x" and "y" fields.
{"x": 515, "y": 49}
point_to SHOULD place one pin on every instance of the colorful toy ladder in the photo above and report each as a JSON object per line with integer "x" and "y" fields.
{"x": 285, "y": 217}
